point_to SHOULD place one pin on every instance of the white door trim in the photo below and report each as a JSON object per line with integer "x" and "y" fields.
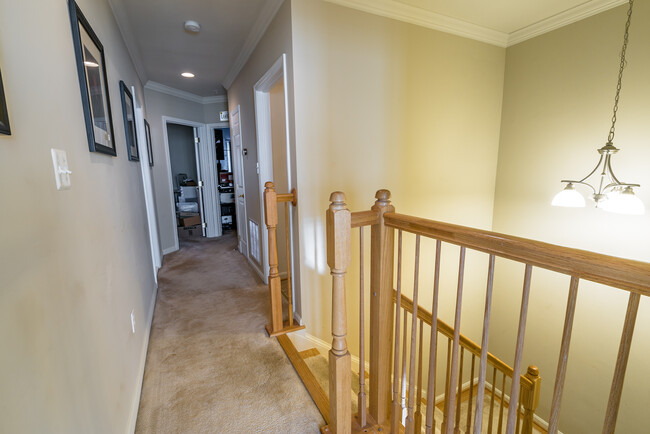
{"x": 201, "y": 130}
{"x": 147, "y": 182}
{"x": 265, "y": 148}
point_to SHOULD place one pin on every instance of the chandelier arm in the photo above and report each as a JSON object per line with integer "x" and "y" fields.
{"x": 600, "y": 160}
{"x": 611, "y": 172}
{"x": 580, "y": 182}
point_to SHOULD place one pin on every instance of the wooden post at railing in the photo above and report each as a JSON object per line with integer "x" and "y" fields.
{"x": 338, "y": 258}
{"x": 275, "y": 284}
{"x": 381, "y": 314}
{"x": 530, "y": 399}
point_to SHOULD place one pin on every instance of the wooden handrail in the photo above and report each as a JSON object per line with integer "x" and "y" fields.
{"x": 465, "y": 342}
{"x": 633, "y": 276}
{"x": 364, "y": 218}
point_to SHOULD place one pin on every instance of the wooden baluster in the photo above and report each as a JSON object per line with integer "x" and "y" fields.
{"x": 471, "y": 395}
{"x": 395, "y": 412}
{"x": 621, "y": 364}
{"x": 433, "y": 348}
{"x": 443, "y": 427}
{"x": 494, "y": 388}
{"x": 410, "y": 417}
{"x": 530, "y": 399}
{"x": 287, "y": 236}
{"x": 404, "y": 350}
{"x": 554, "y": 419}
{"x": 275, "y": 284}
{"x": 502, "y": 403}
{"x": 514, "y": 388}
{"x": 418, "y": 411}
{"x": 361, "y": 403}
{"x": 460, "y": 390}
{"x": 381, "y": 305}
{"x": 338, "y": 259}
{"x": 451, "y": 392}
{"x": 478, "y": 414}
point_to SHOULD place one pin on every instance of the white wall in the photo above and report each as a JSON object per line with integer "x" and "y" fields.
{"x": 159, "y": 105}
{"x": 73, "y": 264}
{"x": 558, "y": 97}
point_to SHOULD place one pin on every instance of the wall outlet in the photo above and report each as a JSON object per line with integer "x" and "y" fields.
{"x": 132, "y": 322}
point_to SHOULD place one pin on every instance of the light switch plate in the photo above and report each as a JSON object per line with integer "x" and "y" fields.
{"x": 61, "y": 171}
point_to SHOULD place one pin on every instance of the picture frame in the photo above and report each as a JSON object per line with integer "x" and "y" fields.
{"x": 147, "y": 130}
{"x": 93, "y": 83}
{"x": 128, "y": 114}
{"x": 4, "y": 113}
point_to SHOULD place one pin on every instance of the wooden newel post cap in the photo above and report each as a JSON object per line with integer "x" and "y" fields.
{"x": 338, "y": 197}
{"x": 269, "y": 185}
{"x": 382, "y": 195}
{"x": 533, "y": 371}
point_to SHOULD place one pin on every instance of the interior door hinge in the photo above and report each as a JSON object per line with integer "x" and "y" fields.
{"x": 204, "y": 225}
{"x": 200, "y": 183}
{"x": 197, "y": 140}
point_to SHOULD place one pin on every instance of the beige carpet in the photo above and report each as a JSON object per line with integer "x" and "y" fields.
{"x": 210, "y": 366}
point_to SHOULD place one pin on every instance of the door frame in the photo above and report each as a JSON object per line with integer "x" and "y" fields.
{"x": 236, "y": 168}
{"x": 147, "y": 183}
{"x": 210, "y": 196}
{"x": 261, "y": 90}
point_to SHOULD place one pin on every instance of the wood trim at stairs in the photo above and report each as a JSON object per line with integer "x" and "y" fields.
{"x": 311, "y": 384}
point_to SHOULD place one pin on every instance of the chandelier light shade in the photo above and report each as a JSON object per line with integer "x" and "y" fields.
{"x": 609, "y": 193}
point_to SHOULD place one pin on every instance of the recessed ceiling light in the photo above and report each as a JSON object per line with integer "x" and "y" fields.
{"x": 192, "y": 26}
{"x": 187, "y": 75}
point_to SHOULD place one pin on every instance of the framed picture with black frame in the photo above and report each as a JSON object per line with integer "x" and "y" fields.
{"x": 91, "y": 68}
{"x": 128, "y": 113}
{"x": 147, "y": 130}
{"x": 4, "y": 113}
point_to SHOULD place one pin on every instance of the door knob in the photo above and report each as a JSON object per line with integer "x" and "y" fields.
{"x": 241, "y": 195}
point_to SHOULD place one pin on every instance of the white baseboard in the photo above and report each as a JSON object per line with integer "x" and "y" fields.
{"x": 257, "y": 269}
{"x": 169, "y": 250}
{"x": 143, "y": 358}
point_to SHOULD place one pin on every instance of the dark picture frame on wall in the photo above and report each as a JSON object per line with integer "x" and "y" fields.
{"x": 4, "y": 113}
{"x": 128, "y": 113}
{"x": 91, "y": 68}
{"x": 147, "y": 130}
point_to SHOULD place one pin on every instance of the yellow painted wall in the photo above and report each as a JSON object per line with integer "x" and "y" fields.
{"x": 73, "y": 264}
{"x": 385, "y": 104}
{"x": 558, "y": 96}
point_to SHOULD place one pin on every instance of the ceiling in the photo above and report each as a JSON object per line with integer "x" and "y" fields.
{"x": 161, "y": 49}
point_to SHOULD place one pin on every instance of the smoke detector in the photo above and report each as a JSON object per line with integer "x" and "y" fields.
{"x": 192, "y": 26}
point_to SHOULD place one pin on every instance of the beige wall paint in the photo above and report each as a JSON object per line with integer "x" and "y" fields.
{"x": 558, "y": 96}
{"x": 279, "y": 144}
{"x": 276, "y": 40}
{"x": 385, "y": 104}
{"x": 159, "y": 105}
{"x": 73, "y": 264}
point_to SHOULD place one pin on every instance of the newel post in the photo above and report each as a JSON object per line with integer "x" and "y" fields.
{"x": 338, "y": 258}
{"x": 530, "y": 399}
{"x": 275, "y": 285}
{"x": 381, "y": 310}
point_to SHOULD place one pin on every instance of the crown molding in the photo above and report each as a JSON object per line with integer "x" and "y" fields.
{"x": 414, "y": 15}
{"x": 562, "y": 19}
{"x": 123, "y": 24}
{"x": 268, "y": 12}
{"x": 172, "y": 91}
{"x": 424, "y": 18}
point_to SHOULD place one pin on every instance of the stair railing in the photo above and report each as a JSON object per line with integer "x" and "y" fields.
{"x": 271, "y": 200}
{"x": 628, "y": 275}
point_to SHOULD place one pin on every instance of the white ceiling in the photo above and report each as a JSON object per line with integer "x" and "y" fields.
{"x": 230, "y": 29}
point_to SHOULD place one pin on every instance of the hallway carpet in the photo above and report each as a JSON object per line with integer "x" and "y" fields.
{"x": 210, "y": 366}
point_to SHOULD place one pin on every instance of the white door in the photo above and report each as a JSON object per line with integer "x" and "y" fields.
{"x": 238, "y": 175}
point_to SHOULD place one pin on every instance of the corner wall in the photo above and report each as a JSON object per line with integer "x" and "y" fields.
{"x": 73, "y": 264}
{"x": 558, "y": 97}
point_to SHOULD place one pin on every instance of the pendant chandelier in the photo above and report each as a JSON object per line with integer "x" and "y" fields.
{"x": 610, "y": 194}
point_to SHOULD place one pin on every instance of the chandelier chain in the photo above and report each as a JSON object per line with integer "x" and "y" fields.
{"x": 610, "y": 138}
